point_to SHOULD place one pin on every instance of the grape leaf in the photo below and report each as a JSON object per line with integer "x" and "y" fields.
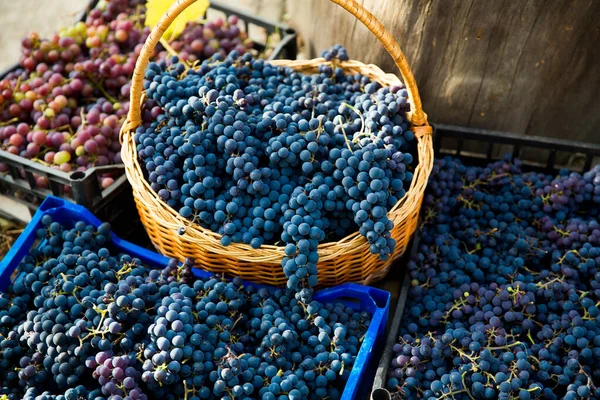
{"x": 156, "y": 8}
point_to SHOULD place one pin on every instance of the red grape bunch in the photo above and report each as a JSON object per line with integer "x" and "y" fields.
{"x": 65, "y": 103}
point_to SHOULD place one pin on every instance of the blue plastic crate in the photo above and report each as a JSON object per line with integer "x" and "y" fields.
{"x": 361, "y": 297}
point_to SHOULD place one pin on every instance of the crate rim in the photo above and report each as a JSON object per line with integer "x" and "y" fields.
{"x": 504, "y": 137}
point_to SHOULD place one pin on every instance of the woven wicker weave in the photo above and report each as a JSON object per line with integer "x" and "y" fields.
{"x": 348, "y": 260}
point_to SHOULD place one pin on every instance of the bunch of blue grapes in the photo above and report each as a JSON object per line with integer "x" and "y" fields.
{"x": 336, "y": 52}
{"x": 81, "y": 321}
{"x": 265, "y": 154}
{"x": 505, "y": 287}
{"x": 117, "y": 375}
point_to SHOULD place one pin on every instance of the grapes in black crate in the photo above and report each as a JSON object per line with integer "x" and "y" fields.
{"x": 265, "y": 154}
{"x": 505, "y": 287}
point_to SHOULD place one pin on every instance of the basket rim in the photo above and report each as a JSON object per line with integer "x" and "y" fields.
{"x": 271, "y": 252}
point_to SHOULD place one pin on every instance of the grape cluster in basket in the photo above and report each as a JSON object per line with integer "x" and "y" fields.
{"x": 505, "y": 293}
{"x": 265, "y": 154}
{"x": 64, "y": 106}
{"x": 83, "y": 322}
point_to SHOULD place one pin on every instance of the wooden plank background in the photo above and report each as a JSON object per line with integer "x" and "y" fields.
{"x": 524, "y": 66}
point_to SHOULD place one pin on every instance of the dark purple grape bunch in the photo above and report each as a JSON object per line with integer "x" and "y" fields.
{"x": 302, "y": 238}
{"x": 232, "y": 371}
{"x": 117, "y": 375}
{"x": 592, "y": 184}
{"x": 333, "y": 56}
{"x": 570, "y": 191}
{"x": 336, "y": 53}
{"x": 174, "y": 272}
{"x": 164, "y": 354}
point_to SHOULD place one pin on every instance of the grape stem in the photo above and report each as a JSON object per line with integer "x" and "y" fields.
{"x": 529, "y": 336}
{"x": 40, "y": 161}
{"x": 503, "y": 347}
{"x": 83, "y": 119}
{"x": 345, "y": 137}
{"x": 268, "y": 44}
{"x": 139, "y": 16}
{"x": 10, "y": 121}
{"x": 98, "y": 86}
{"x": 185, "y": 390}
{"x": 363, "y": 127}
{"x": 17, "y": 85}
{"x": 235, "y": 323}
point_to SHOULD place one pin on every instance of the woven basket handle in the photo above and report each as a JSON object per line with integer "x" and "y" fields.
{"x": 418, "y": 117}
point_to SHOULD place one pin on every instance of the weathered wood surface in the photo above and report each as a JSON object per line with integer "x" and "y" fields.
{"x": 529, "y": 67}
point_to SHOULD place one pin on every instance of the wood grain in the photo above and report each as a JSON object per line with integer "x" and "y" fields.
{"x": 525, "y": 66}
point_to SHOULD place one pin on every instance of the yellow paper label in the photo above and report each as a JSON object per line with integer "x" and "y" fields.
{"x": 155, "y": 9}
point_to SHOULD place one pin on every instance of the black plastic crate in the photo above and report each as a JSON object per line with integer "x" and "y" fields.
{"x": 17, "y": 186}
{"x": 83, "y": 186}
{"x": 286, "y": 48}
{"x": 479, "y": 147}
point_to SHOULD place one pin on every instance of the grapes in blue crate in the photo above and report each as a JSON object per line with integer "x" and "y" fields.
{"x": 505, "y": 287}
{"x": 83, "y": 322}
{"x": 264, "y": 154}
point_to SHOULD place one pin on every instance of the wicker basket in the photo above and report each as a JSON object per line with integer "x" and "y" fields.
{"x": 348, "y": 260}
